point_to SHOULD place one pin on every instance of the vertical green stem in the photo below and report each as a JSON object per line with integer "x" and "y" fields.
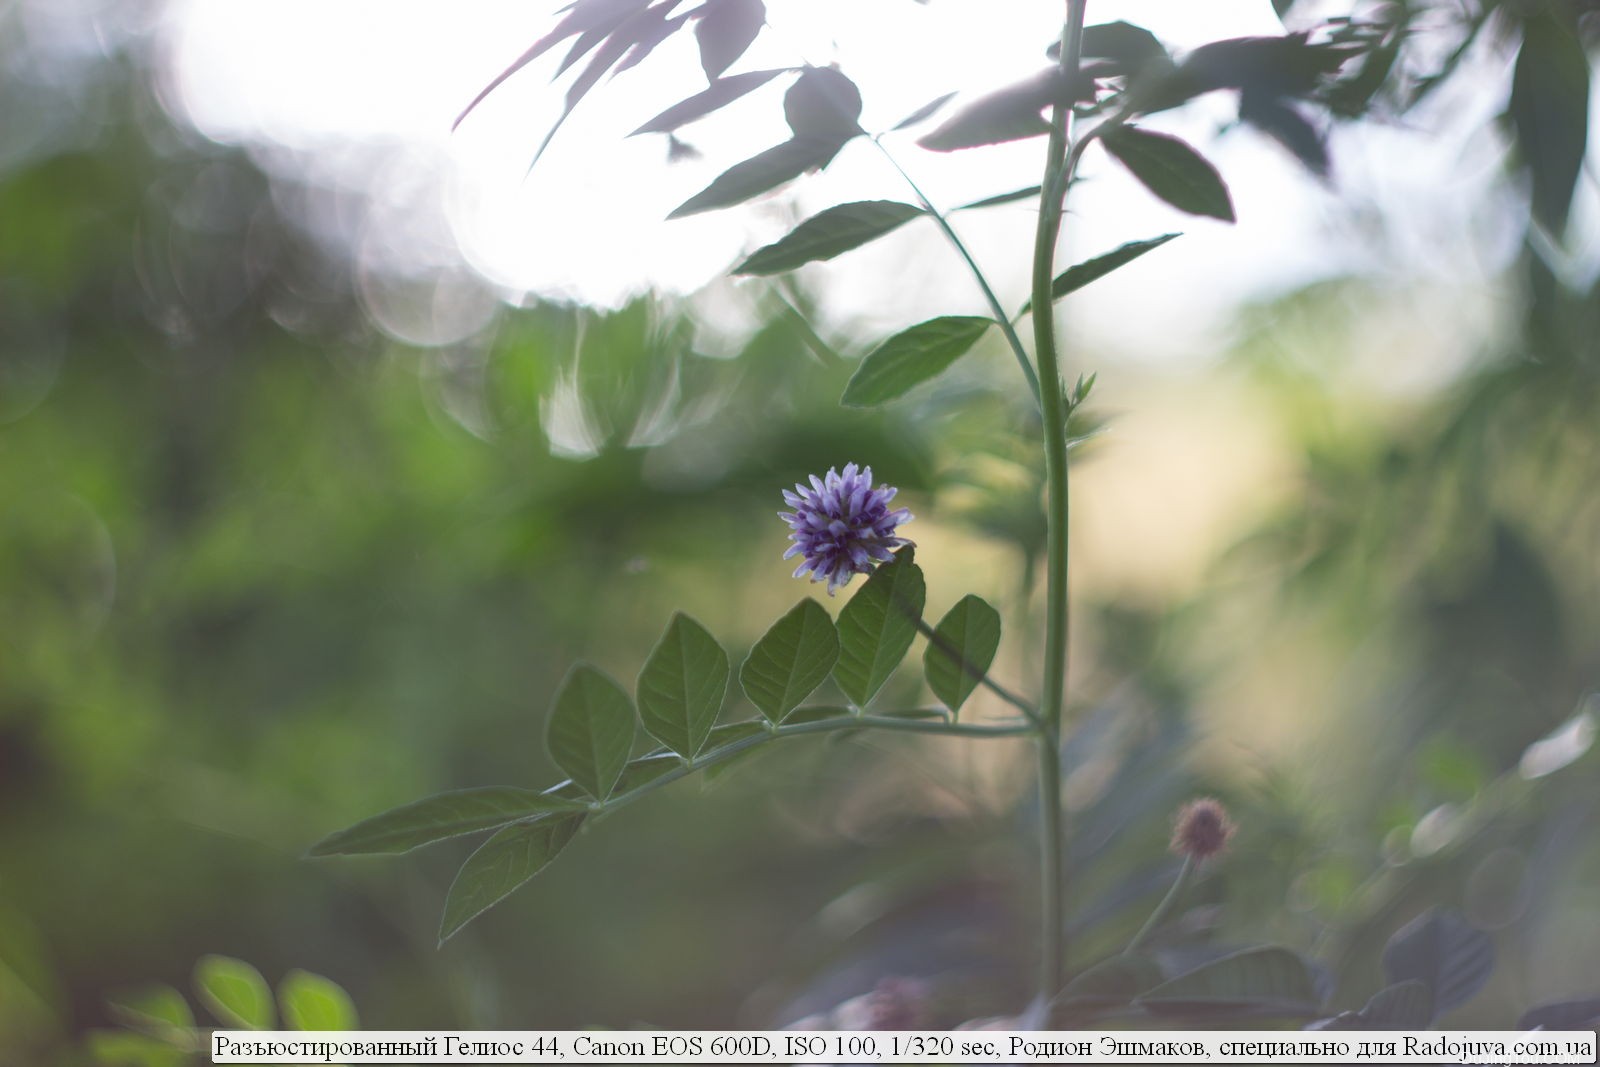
{"x": 1051, "y": 204}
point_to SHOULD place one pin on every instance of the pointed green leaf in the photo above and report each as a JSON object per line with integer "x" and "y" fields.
{"x": 1076, "y": 277}
{"x": 961, "y": 649}
{"x": 830, "y": 233}
{"x": 1003, "y": 198}
{"x": 311, "y": 1002}
{"x": 720, "y": 94}
{"x": 234, "y": 992}
{"x": 877, "y": 626}
{"x": 682, "y": 686}
{"x": 823, "y": 103}
{"x": 1258, "y": 980}
{"x": 790, "y": 660}
{"x": 760, "y": 173}
{"x": 912, "y": 357}
{"x": 502, "y": 864}
{"x": 590, "y": 731}
{"x": 1442, "y": 949}
{"x": 158, "y": 1011}
{"x": 923, "y": 112}
{"x": 1171, "y": 170}
{"x": 435, "y": 818}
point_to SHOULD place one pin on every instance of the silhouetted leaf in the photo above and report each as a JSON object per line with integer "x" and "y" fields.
{"x": 311, "y": 1002}
{"x": 682, "y": 686}
{"x": 824, "y": 104}
{"x": 1442, "y": 949}
{"x": 1566, "y": 1015}
{"x": 877, "y": 626}
{"x": 912, "y": 357}
{"x": 1008, "y": 114}
{"x": 1549, "y": 112}
{"x": 923, "y": 112}
{"x": 1171, "y": 170}
{"x": 1076, "y": 277}
{"x": 721, "y": 93}
{"x": 760, "y": 173}
{"x": 590, "y": 730}
{"x": 435, "y": 818}
{"x": 725, "y": 31}
{"x": 647, "y": 41}
{"x": 502, "y": 864}
{"x": 1131, "y": 46}
{"x": 588, "y": 16}
{"x": 830, "y": 233}
{"x": 791, "y": 660}
{"x": 234, "y": 992}
{"x": 961, "y": 649}
{"x": 1003, "y": 198}
{"x": 1258, "y": 980}
{"x": 1288, "y": 127}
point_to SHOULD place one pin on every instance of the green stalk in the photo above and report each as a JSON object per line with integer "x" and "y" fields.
{"x": 997, "y": 312}
{"x": 1157, "y": 916}
{"x": 1051, "y": 205}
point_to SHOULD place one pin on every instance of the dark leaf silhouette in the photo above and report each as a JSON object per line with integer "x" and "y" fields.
{"x": 761, "y": 173}
{"x": 924, "y": 112}
{"x": 1009, "y": 114}
{"x": 823, "y": 103}
{"x": 1288, "y": 127}
{"x": 1549, "y": 113}
{"x": 1171, "y": 170}
{"x": 725, "y": 31}
{"x": 721, "y": 93}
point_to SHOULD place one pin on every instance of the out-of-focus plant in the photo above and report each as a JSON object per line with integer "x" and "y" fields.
{"x": 1100, "y": 84}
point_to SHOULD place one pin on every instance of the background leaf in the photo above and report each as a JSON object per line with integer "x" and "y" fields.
{"x": 501, "y": 865}
{"x": 1549, "y": 111}
{"x": 911, "y": 357}
{"x": 961, "y": 649}
{"x": 1171, "y": 170}
{"x": 311, "y": 1002}
{"x": 590, "y": 730}
{"x": 830, "y": 233}
{"x": 721, "y": 93}
{"x": 1257, "y": 980}
{"x": 159, "y": 1011}
{"x": 1442, "y": 949}
{"x": 725, "y": 31}
{"x": 877, "y": 626}
{"x": 791, "y": 660}
{"x": 435, "y": 818}
{"x": 682, "y": 686}
{"x": 234, "y": 992}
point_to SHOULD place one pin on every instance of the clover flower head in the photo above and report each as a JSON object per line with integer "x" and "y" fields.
{"x": 1202, "y": 829}
{"x": 842, "y": 525}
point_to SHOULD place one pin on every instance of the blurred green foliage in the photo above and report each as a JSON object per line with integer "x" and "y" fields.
{"x": 266, "y": 572}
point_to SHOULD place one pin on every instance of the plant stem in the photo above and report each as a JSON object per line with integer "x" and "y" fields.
{"x": 1051, "y": 205}
{"x": 817, "y": 726}
{"x": 982, "y": 676}
{"x": 997, "y": 312}
{"x": 1157, "y": 916}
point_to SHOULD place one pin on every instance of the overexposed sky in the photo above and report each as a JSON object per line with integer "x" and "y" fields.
{"x": 361, "y": 94}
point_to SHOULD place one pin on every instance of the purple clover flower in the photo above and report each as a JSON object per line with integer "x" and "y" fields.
{"x": 842, "y": 525}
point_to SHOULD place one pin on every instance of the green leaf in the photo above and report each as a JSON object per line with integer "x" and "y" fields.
{"x": 877, "y": 626}
{"x": 435, "y": 818}
{"x": 830, "y": 233}
{"x": 961, "y": 649}
{"x": 1003, "y": 198}
{"x": 590, "y": 731}
{"x": 1111, "y": 982}
{"x": 721, "y": 93}
{"x": 158, "y": 1011}
{"x": 823, "y": 103}
{"x": 1265, "y": 981}
{"x": 501, "y": 864}
{"x": 1011, "y": 113}
{"x": 1549, "y": 111}
{"x": 790, "y": 660}
{"x": 1442, "y": 949}
{"x": 682, "y": 686}
{"x": 1131, "y": 46}
{"x": 1171, "y": 170}
{"x": 122, "y": 1048}
{"x": 234, "y": 992}
{"x": 912, "y": 357}
{"x": 311, "y": 1002}
{"x": 1076, "y": 277}
{"x": 760, "y": 173}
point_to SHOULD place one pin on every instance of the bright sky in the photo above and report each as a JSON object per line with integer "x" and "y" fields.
{"x": 325, "y": 82}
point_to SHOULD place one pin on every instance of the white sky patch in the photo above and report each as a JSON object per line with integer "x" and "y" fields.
{"x": 589, "y": 222}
